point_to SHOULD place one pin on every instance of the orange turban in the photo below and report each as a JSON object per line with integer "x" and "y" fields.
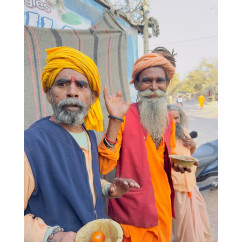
{"x": 62, "y": 57}
{"x": 151, "y": 60}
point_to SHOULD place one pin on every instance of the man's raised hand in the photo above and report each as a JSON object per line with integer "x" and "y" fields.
{"x": 114, "y": 104}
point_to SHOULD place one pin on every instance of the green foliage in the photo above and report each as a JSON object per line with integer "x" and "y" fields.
{"x": 204, "y": 77}
{"x": 173, "y": 87}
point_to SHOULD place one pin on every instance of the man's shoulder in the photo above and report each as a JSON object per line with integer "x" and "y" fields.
{"x": 36, "y": 125}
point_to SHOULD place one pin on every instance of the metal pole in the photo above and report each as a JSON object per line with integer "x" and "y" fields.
{"x": 145, "y": 30}
{"x": 146, "y": 34}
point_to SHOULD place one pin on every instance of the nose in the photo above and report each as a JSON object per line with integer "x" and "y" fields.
{"x": 153, "y": 86}
{"x": 72, "y": 90}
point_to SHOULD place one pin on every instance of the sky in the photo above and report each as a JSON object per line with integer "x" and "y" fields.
{"x": 190, "y": 27}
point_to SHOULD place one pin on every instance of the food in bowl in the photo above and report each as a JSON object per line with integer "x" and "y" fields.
{"x": 98, "y": 236}
{"x": 111, "y": 230}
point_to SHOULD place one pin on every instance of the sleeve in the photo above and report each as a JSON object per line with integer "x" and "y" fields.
{"x": 107, "y": 158}
{"x": 173, "y": 137}
{"x": 34, "y": 228}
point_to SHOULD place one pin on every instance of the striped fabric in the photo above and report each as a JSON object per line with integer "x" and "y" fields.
{"x": 104, "y": 42}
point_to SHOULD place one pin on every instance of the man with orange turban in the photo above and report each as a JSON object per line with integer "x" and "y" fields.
{"x": 138, "y": 142}
{"x": 62, "y": 186}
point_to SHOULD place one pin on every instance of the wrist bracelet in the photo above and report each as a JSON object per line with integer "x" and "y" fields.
{"x": 52, "y": 231}
{"x": 105, "y": 190}
{"x": 115, "y": 117}
{"x": 108, "y": 144}
{"x": 112, "y": 142}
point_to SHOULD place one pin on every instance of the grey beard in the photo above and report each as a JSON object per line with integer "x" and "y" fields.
{"x": 153, "y": 113}
{"x": 64, "y": 116}
{"x": 180, "y": 132}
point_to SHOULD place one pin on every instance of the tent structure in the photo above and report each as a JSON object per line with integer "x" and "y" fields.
{"x": 105, "y": 42}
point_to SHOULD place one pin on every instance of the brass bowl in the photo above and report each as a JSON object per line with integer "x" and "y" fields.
{"x": 111, "y": 229}
{"x": 182, "y": 160}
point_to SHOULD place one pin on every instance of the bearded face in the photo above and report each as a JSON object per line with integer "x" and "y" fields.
{"x": 179, "y": 131}
{"x": 67, "y": 116}
{"x": 153, "y": 112}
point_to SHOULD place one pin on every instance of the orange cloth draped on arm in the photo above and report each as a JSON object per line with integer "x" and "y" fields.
{"x": 108, "y": 161}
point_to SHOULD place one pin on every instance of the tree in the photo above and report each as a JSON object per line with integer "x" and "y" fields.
{"x": 204, "y": 77}
{"x": 131, "y": 8}
{"x": 173, "y": 87}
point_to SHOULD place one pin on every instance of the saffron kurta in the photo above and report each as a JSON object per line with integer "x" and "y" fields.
{"x": 108, "y": 161}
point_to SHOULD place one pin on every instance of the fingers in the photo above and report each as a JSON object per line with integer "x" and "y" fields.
{"x": 188, "y": 169}
{"x": 119, "y": 94}
{"x": 133, "y": 183}
{"x": 180, "y": 168}
{"x": 128, "y": 183}
{"x": 105, "y": 91}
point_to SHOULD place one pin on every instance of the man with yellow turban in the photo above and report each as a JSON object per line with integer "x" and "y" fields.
{"x": 62, "y": 186}
{"x": 138, "y": 142}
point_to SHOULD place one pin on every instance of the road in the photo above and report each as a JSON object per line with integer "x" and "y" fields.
{"x": 205, "y": 122}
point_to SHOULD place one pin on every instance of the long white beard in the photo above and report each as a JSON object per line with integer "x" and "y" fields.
{"x": 153, "y": 113}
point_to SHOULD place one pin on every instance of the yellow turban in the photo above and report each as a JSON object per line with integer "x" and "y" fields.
{"x": 62, "y": 57}
{"x": 151, "y": 60}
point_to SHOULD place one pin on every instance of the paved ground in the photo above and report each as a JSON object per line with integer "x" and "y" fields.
{"x": 211, "y": 199}
{"x": 205, "y": 122}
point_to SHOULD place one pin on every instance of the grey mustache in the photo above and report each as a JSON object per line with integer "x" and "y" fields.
{"x": 71, "y": 102}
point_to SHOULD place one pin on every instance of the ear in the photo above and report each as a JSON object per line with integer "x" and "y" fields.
{"x": 94, "y": 96}
{"x": 48, "y": 95}
{"x": 167, "y": 83}
{"x": 136, "y": 84}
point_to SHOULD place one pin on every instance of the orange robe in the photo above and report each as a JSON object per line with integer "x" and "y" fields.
{"x": 108, "y": 161}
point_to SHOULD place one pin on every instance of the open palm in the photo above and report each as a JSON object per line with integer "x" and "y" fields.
{"x": 114, "y": 103}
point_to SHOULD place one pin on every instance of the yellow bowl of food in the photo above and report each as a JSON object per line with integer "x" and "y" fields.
{"x": 182, "y": 160}
{"x": 112, "y": 231}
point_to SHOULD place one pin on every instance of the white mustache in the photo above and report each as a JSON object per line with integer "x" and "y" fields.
{"x": 148, "y": 93}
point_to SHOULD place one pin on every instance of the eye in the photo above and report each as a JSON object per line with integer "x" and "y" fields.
{"x": 160, "y": 80}
{"x": 146, "y": 80}
{"x": 62, "y": 84}
{"x": 83, "y": 85}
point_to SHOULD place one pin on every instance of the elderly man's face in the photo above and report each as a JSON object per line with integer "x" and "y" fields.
{"x": 152, "y": 78}
{"x": 70, "y": 95}
{"x": 176, "y": 116}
